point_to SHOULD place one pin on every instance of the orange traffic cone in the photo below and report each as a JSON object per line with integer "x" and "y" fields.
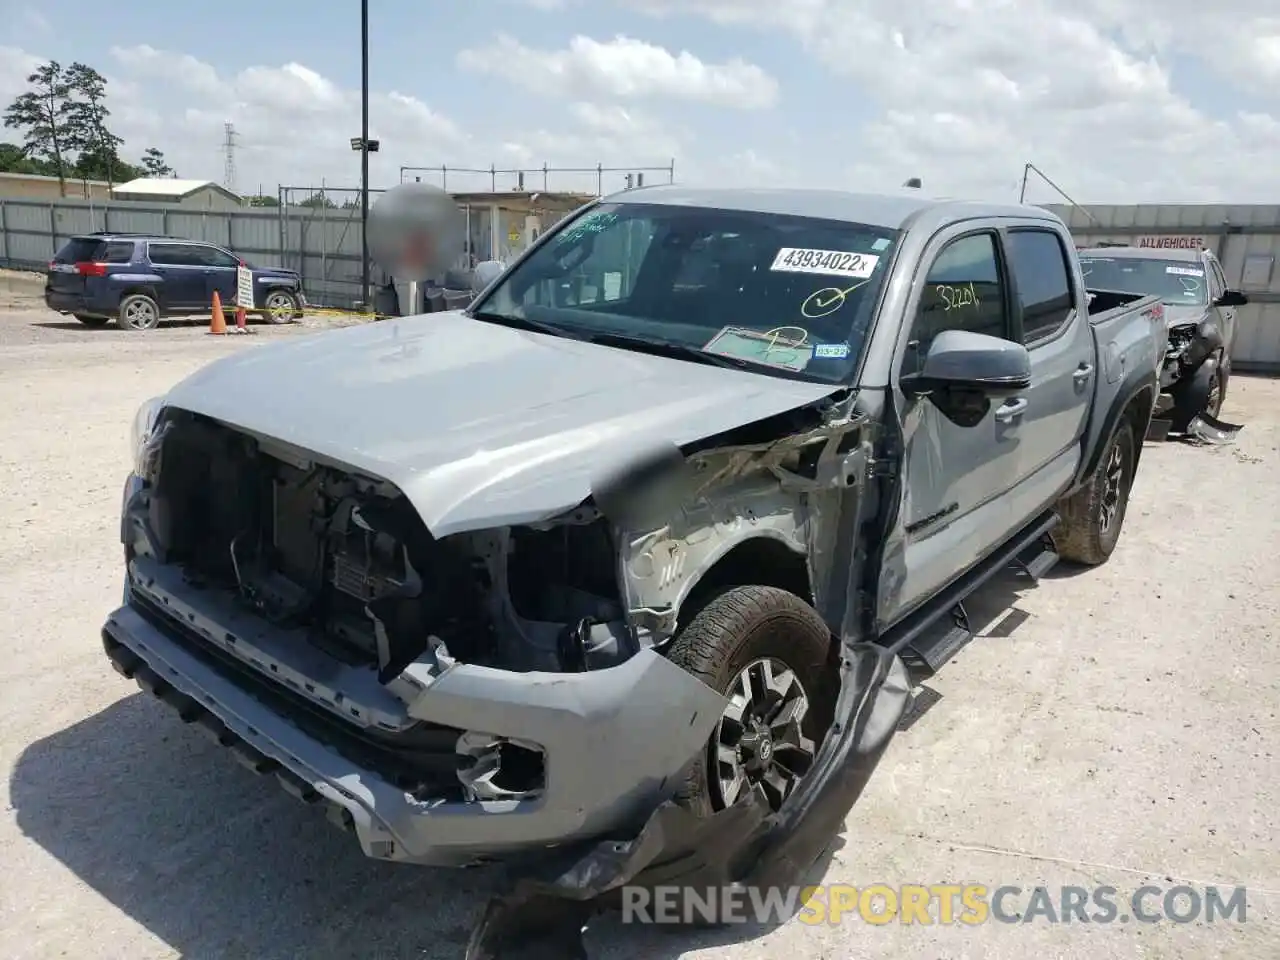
{"x": 217, "y": 322}
{"x": 240, "y": 321}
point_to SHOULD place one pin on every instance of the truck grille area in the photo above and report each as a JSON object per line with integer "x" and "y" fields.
{"x": 422, "y": 761}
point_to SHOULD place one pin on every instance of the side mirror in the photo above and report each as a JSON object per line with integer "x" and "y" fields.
{"x": 961, "y": 361}
{"x": 1231, "y": 298}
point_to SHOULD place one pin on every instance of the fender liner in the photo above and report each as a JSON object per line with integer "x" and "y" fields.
{"x": 1130, "y": 389}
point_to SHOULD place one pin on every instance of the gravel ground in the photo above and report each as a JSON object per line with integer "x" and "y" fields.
{"x": 1124, "y": 733}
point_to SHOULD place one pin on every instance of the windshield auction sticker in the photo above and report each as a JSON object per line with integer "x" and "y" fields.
{"x": 1184, "y": 271}
{"x": 786, "y": 348}
{"x": 836, "y": 263}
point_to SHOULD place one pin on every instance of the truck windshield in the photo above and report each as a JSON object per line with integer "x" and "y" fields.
{"x": 1173, "y": 281}
{"x": 783, "y": 295}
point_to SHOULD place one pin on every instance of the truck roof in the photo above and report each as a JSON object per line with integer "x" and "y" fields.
{"x": 890, "y": 210}
{"x": 1141, "y": 253}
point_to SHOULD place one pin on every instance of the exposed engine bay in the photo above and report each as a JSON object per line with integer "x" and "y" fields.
{"x": 1189, "y": 345}
{"x": 348, "y": 559}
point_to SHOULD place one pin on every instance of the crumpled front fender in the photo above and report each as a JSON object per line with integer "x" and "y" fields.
{"x": 745, "y": 845}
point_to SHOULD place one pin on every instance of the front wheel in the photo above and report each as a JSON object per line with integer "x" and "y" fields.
{"x": 1093, "y": 515}
{"x": 766, "y": 649}
{"x": 282, "y": 306}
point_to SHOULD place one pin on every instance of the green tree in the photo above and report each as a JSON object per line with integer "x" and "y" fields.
{"x": 88, "y": 113}
{"x": 318, "y": 200}
{"x": 98, "y": 164}
{"x": 262, "y": 200}
{"x": 44, "y": 116}
{"x": 154, "y": 164}
{"x": 14, "y": 159}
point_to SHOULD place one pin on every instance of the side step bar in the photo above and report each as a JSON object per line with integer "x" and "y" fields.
{"x": 930, "y": 638}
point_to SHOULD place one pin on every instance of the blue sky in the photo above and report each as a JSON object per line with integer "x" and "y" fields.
{"x": 1113, "y": 100}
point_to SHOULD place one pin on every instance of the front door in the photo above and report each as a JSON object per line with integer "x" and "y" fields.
{"x": 1226, "y": 316}
{"x": 220, "y": 275}
{"x": 1055, "y": 330}
{"x": 956, "y": 477}
{"x": 181, "y": 269}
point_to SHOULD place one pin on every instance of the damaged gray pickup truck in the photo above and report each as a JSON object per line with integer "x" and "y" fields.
{"x": 658, "y": 523}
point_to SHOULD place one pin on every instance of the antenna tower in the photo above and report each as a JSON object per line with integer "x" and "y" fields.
{"x": 229, "y": 157}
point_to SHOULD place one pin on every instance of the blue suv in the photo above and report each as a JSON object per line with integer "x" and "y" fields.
{"x": 139, "y": 279}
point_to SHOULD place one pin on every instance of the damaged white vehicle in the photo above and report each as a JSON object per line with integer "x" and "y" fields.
{"x": 485, "y": 582}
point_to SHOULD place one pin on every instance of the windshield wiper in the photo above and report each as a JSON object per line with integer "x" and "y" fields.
{"x": 524, "y": 323}
{"x": 665, "y": 348}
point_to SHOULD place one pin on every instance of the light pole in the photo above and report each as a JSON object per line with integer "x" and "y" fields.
{"x": 364, "y": 154}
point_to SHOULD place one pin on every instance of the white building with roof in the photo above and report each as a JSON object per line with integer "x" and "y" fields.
{"x": 189, "y": 194}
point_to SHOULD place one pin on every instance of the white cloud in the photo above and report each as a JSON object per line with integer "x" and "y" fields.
{"x": 965, "y": 91}
{"x": 624, "y": 68}
{"x": 959, "y": 92}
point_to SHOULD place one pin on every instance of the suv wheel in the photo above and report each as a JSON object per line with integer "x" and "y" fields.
{"x": 282, "y": 306}
{"x": 138, "y": 312}
{"x": 767, "y": 650}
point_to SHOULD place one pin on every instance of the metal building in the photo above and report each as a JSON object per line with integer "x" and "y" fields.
{"x": 1246, "y": 239}
{"x": 189, "y": 194}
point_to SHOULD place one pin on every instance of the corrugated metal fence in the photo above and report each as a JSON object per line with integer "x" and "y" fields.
{"x": 1246, "y": 239}
{"x": 321, "y": 243}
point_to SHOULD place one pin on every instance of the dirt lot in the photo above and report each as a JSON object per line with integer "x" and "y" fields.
{"x": 1125, "y": 733}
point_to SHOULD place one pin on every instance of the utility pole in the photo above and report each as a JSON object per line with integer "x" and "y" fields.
{"x": 364, "y": 154}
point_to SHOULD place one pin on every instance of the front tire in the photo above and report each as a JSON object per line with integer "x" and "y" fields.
{"x": 1204, "y": 392}
{"x": 1093, "y": 516}
{"x": 768, "y": 650}
{"x": 282, "y": 307}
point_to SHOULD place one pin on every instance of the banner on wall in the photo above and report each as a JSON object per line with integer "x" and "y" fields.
{"x": 1172, "y": 242}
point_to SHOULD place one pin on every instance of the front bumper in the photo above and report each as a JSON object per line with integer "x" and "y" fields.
{"x": 615, "y": 744}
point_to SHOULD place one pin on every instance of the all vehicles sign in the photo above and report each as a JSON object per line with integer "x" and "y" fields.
{"x": 1172, "y": 242}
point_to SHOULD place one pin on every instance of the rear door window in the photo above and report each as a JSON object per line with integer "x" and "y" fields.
{"x": 176, "y": 254}
{"x": 1046, "y": 296}
{"x": 116, "y": 252}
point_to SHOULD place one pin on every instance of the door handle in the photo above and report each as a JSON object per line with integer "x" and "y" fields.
{"x": 1011, "y": 410}
{"x": 1083, "y": 373}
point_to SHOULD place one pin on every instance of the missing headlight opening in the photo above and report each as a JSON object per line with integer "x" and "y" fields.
{"x": 345, "y": 563}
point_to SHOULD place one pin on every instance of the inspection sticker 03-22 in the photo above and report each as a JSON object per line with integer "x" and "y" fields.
{"x": 838, "y": 263}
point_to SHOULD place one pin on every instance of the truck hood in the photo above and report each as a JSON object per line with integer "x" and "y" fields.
{"x": 477, "y": 424}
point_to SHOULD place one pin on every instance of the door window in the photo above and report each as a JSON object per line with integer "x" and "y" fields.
{"x": 176, "y": 254}
{"x": 1045, "y": 292}
{"x": 1217, "y": 280}
{"x": 213, "y": 257}
{"x": 962, "y": 291}
{"x": 118, "y": 252}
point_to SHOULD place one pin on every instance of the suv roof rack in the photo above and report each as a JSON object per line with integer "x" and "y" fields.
{"x": 119, "y": 233}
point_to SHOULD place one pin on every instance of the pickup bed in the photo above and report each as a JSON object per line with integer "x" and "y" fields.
{"x": 688, "y": 490}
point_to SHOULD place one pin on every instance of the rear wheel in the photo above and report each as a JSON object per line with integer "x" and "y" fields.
{"x": 766, "y": 649}
{"x": 1092, "y": 516}
{"x": 89, "y": 321}
{"x": 138, "y": 312}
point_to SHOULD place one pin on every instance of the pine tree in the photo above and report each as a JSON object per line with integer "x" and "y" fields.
{"x": 43, "y": 115}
